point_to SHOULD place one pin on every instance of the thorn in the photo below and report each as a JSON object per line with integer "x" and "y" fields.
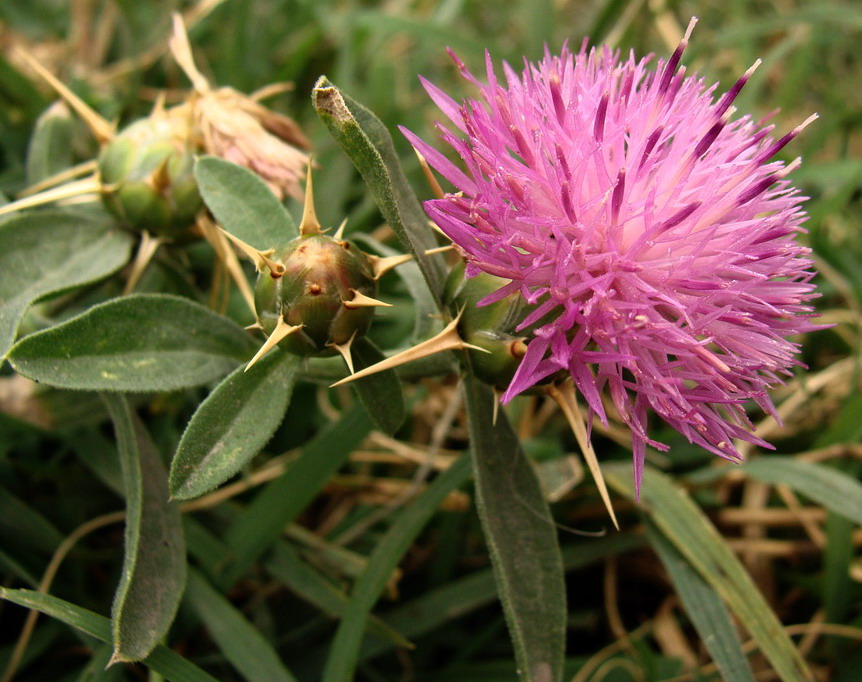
{"x": 160, "y": 178}
{"x": 78, "y": 188}
{"x": 254, "y": 327}
{"x": 101, "y": 128}
{"x": 497, "y": 395}
{"x": 60, "y": 178}
{"x": 282, "y": 330}
{"x": 383, "y": 265}
{"x": 159, "y": 105}
{"x": 218, "y": 240}
{"x": 360, "y": 300}
{"x": 344, "y": 350}
{"x": 309, "y": 223}
{"x": 439, "y": 249}
{"x": 261, "y": 258}
{"x": 181, "y": 49}
{"x": 447, "y": 339}
{"x": 146, "y": 250}
{"x": 429, "y": 176}
{"x": 339, "y": 233}
{"x": 564, "y": 396}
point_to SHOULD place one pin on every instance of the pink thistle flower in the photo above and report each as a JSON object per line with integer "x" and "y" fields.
{"x": 658, "y": 230}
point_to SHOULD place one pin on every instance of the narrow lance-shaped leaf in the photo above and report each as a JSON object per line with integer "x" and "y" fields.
{"x": 707, "y": 612}
{"x": 162, "y": 660}
{"x": 522, "y": 539}
{"x": 240, "y": 642}
{"x": 48, "y": 252}
{"x": 344, "y": 654}
{"x": 232, "y": 425}
{"x": 368, "y": 144}
{"x": 380, "y": 393}
{"x": 154, "y": 563}
{"x": 683, "y": 523}
{"x": 146, "y": 342}
{"x": 243, "y": 204}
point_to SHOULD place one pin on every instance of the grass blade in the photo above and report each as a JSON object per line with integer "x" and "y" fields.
{"x": 162, "y": 660}
{"x": 686, "y": 527}
{"x": 240, "y": 642}
{"x": 707, "y": 612}
{"x": 344, "y": 654}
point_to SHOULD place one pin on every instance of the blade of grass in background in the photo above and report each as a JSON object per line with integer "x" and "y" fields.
{"x": 686, "y": 527}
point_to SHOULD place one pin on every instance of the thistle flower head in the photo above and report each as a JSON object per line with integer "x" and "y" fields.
{"x": 655, "y": 229}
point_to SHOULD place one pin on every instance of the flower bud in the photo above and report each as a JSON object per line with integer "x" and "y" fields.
{"x": 147, "y": 175}
{"x": 491, "y": 327}
{"x": 318, "y": 290}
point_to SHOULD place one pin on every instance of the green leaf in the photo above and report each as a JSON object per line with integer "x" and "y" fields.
{"x": 521, "y": 537}
{"x": 154, "y": 563}
{"x": 380, "y": 393}
{"x": 368, "y": 144}
{"x": 243, "y": 204}
{"x": 162, "y": 660}
{"x": 50, "y": 149}
{"x": 344, "y": 654}
{"x": 232, "y": 425}
{"x": 683, "y": 523}
{"x": 48, "y": 252}
{"x": 145, "y": 342}
{"x": 240, "y": 642}
{"x": 824, "y": 485}
{"x": 283, "y": 499}
{"x": 707, "y": 612}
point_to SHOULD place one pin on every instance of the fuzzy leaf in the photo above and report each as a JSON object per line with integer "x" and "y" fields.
{"x": 824, "y": 485}
{"x": 48, "y": 252}
{"x": 50, "y": 149}
{"x": 232, "y": 425}
{"x": 162, "y": 660}
{"x": 522, "y": 539}
{"x": 154, "y": 563}
{"x": 707, "y": 612}
{"x": 243, "y": 204}
{"x": 145, "y": 342}
{"x": 368, "y": 144}
{"x": 344, "y": 654}
{"x": 683, "y": 523}
{"x": 380, "y": 393}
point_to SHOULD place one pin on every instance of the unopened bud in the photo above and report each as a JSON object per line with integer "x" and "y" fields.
{"x": 147, "y": 175}
{"x": 327, "y": 287}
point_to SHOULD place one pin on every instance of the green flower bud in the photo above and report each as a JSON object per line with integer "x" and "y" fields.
{"x": 323, "y": 288}
{"x": 491, "y": 327}
{"x": 147, "y": 176}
